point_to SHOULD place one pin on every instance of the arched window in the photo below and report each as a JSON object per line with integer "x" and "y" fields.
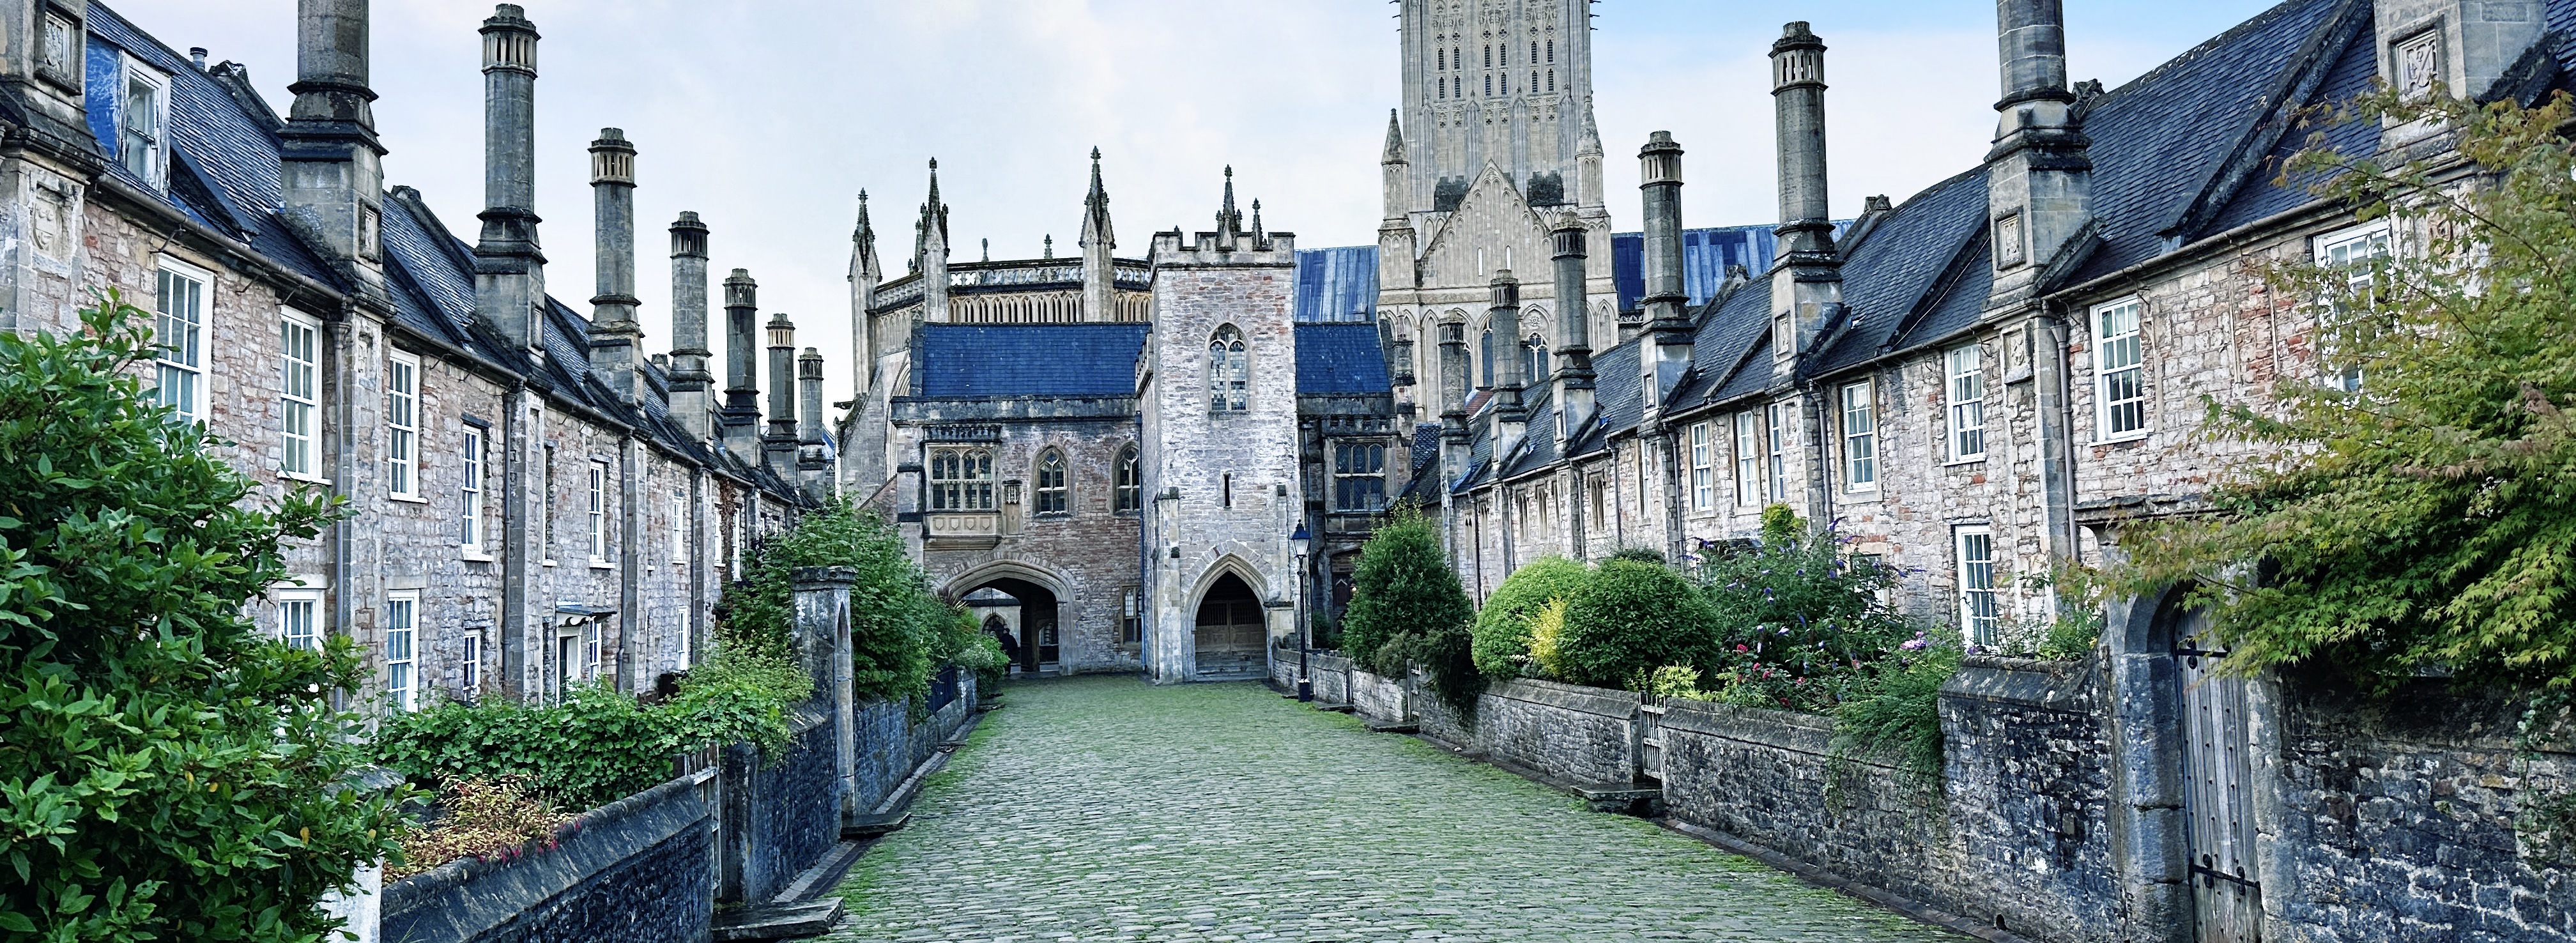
{"x": 1052, "y": 494}
{"x": 1536, "y": 350}
{"x": 1444, "y": 60}
{"x": 1489, "y": 85}
{"x": 1489, "y": 56}
{"x": 1551, "y": 80}
{"x": 1551, "y": 52}
{"x": 1533, "y": 52}
{"x": 1131, "y": 483}
{"x": 1533, "y": 85}
{"x": 1229, "y": 371}
{"x": 961, "y": 479}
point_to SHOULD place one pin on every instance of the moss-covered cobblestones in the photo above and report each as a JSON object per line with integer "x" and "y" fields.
{"x": 1105, "y": 809}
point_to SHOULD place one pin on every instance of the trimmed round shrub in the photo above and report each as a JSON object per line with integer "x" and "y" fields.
{"x": 1503, "y": 626}
{"x": 1631, "y": 618}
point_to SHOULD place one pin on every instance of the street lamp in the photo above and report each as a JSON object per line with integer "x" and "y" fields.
{"x": 1297, "y": 543}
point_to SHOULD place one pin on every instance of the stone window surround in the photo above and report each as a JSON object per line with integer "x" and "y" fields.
{"x": 1056, "y": 499}
{"x": 193, "y": 360}
{"x": 1979, "y": 609}
{"x": 307, "y": 443}
{"x": 1703, "y": 470}
{"x": 1960, "y": 408}
{"x": 598, "y": 511}
{"x": 474, "y": 458}
{"x": 401, "y": 649}
{"x": 2134, "y": 364}
{"x": 1856, "y": 405}
{"x": 2351, "y": 248}
{"x": 1127, "y": 485}
{"x": 1748, "y": 458}
{"x": 402, "y": 428}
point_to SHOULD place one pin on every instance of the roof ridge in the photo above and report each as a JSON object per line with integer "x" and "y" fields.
{"x": 2231, "y": 34}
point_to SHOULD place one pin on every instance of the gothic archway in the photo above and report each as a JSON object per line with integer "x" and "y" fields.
{"x": 1231, "y": 631}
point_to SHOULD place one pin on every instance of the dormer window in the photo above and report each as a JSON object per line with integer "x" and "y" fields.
{"x": 142, "y": 123}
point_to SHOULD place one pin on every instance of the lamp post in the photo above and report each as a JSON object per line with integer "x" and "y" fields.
{"x": 1297, "y": 543}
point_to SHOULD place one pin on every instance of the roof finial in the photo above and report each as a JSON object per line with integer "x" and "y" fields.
{"x": 988, "y": 250}
{"x": 1050, "y": 246}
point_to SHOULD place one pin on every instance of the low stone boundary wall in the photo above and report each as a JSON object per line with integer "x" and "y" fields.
{"x": 781, "y": 816}
{"x": 640, "y": 868}
{"x": 2390, "y": 819}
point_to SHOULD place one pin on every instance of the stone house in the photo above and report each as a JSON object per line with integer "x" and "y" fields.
{"x": 532, "y": 504}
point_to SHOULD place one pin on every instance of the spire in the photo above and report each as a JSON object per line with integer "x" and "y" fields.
{"x": 1394, "y": 140}
{"x": 933, "y": 223}
{"x": 863, "y": 232}
{"x": 1228, "y": 219}
{"x": 1256, "y": 220}
{"x": 1095, "y": 210}
{"x": 1050, "y": 247}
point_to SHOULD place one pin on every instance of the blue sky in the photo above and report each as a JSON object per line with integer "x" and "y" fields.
{"x": 768, "y": 116}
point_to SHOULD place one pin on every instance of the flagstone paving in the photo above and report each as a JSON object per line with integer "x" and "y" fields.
{"x": 1107, "y": 809}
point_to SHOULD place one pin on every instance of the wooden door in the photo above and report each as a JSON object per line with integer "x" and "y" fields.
{"x": 2227, "y": 893}
{"x": 1231, "y": 631}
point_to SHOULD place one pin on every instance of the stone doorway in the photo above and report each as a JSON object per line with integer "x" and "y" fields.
{"x": 1029, "y": 612}
{"x": 1231, "y": 632}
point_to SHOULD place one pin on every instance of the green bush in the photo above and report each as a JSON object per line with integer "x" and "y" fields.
{"x": 896, "y": 622}
{"x": 1407, "y": 608}
{"x": 1631, "y": 618}
{"x": 167, "y": 770}
{"x": 1896, "y": 712}
{"x": 597, "y": 745}
{"x": 1502, "y": 648}
{"x": 1800, "y": 623}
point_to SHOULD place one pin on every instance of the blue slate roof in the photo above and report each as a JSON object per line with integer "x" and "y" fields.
{"x": 977, "y": 360}
{"x": 1705, "y": 255}
{"x": 1341, "y": 358}
{"x": 1338, "y": 284}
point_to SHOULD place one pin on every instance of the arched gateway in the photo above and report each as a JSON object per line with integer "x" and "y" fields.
{"x": 1230, "y": 631}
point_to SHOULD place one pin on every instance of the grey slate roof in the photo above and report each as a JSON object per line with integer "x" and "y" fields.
{"x": 1337, "y": 284}
{"x": 1341, "y": 358}
{"x": 980, "y": 360}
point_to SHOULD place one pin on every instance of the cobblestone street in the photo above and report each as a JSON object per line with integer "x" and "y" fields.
{"x": 1105, "y": 809}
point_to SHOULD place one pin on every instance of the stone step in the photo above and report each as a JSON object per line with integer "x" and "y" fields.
{"x": 778, "y": 921}
{"x": 872, "y": 826}
{"x": 1394, "y": 726}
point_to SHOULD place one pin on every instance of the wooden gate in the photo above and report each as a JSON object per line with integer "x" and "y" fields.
{"x": 2227, "y": 896}
{"x": 1231, "y": 632}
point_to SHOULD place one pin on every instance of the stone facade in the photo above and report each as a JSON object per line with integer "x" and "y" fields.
{"x": 358, "y": 354}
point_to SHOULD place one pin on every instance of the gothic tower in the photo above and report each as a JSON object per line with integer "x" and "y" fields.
{"x": 1489, "y": 82}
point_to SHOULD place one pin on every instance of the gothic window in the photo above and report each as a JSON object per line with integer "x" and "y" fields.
{"x": 1551, "y": 80}
{"x": 1229, "y": 371}
{"x": 1444, "y": 60}
{"x": 1489, "y": 85}
{"x": 1359, "y": 476}
{"x": 1533, "y": 85}
{"x": 1534, "y": 359}
{"x": 1052, "y": 494}
{"x": 1551, "y": 52}
{"x": 1489, "y": 57}
{"x": 1533, "y": 52}
{"x": 961, "y": 479}
{"x": 1444, "y": 86}
{"x": 1131, "y": 486}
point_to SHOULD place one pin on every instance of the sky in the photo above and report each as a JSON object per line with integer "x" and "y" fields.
{"x": 767, "y": 117}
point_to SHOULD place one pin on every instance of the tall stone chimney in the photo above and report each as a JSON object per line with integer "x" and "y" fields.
{"x": 1511, "y": 357}
{"x": 2038, "y": 176}
{"x": 1660, "y": 169}
{"x": 690, "y": 382}
{"x": 1806, "y": 279}
{"x": 1099, "y": 271}
{"x": 778, "y": 444}
{"x": 1454, "y": 437}
{"x": 509, "y": 267}
{"x": 740, "y": 417}
{"x": 330, "y": 162}
{"x": 811, "y": 468}
{"x": 614, "y": 334}
{"x": 1574, "y": 379}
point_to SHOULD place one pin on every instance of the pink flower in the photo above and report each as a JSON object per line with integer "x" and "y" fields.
{"x": 1914, "y": 644}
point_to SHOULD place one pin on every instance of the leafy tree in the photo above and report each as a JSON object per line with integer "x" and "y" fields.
{"x": 1799, "y": 620}
{"x": 1631, "y": 618}
{"x": 2428, "y": 519}
{"x": 167, "y": 771}
{"x": 895, "y": 620}
{"x": 1407, "y": 608}
{"x": 1502, "y": 634}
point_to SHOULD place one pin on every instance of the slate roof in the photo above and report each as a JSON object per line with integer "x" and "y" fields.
{"x": 985, "y": 360}
{"x": 1341, "y": 358}
{"x": 1338, "y": 284}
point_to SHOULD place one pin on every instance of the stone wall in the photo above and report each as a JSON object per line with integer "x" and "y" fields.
{"x": 1574, "y": 735}
{"x": 2028, "y": 794}
{"x": 780, "y": 815}
{"x": 2397, "y": 820}
{"x": 640, "y": 868}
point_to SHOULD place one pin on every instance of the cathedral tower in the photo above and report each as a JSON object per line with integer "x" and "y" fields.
{"x": 1491, "y": 83}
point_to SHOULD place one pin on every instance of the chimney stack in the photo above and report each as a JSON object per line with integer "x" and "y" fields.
{"x": 810, "y": 442}
{"x": 1454, "y": 438}
{"x": 1511, "y": 357}
{"x": 2039, "y": 177}
{"x": 614, "y": 335}
{"x": 1574, "y": 380}
{"x": 689, "y": 353}
{"x": 741, "y": 414}
{"x": 330, "y": 162}
{"x": 778, "y": 444}
{"x": 1806, "y": 286}
{"x": 509, "y": 268}
{"x": 1660, "y": 168}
